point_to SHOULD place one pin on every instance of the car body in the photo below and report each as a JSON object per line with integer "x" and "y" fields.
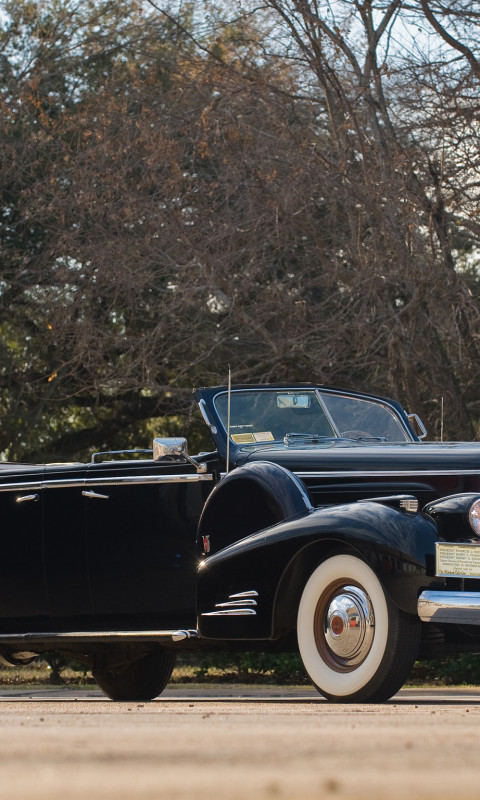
{"x": 321, "y": 520}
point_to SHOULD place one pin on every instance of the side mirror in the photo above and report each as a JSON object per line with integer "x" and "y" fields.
{"x": 170, "y": 446}
{"x": 417, "y": 425}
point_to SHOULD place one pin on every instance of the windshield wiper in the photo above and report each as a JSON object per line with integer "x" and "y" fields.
{"x": 310, "y": 437}
{"x": 363, "y": 437}
{"x": 315, "y": 438}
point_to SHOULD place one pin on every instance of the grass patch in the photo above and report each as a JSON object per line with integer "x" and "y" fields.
{"x": 239, "y": 669}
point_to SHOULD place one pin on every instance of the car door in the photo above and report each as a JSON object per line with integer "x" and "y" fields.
{"x": 64, "y": 547}
{"x": 141, "y": 530}
{"x": 23, "y": 595}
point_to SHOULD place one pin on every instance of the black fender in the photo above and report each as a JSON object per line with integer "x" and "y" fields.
{"x": 251, "y": 589}
{"x": 248, "y": 499}
{"x": 451, "y": 515}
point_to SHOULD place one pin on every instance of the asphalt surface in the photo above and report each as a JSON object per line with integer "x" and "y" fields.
{"x": 226, "y": 743}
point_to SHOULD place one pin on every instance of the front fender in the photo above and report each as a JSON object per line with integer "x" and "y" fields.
{"x": 251, "y": 589}
{"x": 248, "y": 499}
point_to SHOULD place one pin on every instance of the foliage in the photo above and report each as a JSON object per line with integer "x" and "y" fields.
{"x": 454, "y": 670}
{"x": 291, "y": 189}
{"x": 246, "y": 667}
{"x": 58, "y": 664}
{"x": 281, "y": 669}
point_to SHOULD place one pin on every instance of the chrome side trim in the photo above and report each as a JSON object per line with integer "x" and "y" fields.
{"x": 414, "y": 418}
{"x": 203, "y": 411}
{"x": 237, "y": 605}
{"x": 99, "y": 636}
{"x": 67, "y": 483}
{"x": 409, "y": 504}
{"x": 459, "y": 608}
{"x": 386, "y": 473}
{"x": 144, "y": 479}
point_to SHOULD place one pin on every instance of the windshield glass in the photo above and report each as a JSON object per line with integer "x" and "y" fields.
{"x": 267, "y": 415}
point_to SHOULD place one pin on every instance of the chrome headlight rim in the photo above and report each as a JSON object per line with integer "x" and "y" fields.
{"x": 474, "y": 517}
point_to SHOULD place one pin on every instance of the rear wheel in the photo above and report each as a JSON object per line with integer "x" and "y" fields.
{"x": 356, "y": 645}
{"x": 142, "y": 679}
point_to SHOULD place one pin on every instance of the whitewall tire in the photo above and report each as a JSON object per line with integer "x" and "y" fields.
{"x": 356, "y": 645}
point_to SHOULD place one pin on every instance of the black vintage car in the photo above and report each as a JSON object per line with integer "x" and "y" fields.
{"x": 321, "y": 521}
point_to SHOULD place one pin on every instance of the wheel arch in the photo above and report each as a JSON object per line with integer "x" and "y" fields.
{"x": 296, "y": 575}
{"x": 277, "y": 563}
{"x": 401, "y": 573}
{"x": 248, "y": 499}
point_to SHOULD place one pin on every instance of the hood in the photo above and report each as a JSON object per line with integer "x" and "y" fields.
{"x": 366, "y": 457}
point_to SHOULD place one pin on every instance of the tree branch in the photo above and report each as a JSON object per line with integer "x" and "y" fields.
{"x": 450, "y": 40}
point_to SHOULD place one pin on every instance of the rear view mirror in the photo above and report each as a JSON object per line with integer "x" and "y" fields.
{"x": 293, "y": 401}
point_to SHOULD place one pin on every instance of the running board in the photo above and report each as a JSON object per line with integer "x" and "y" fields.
{"x": 165, "y": 637}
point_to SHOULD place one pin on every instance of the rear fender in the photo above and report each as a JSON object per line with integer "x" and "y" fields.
{"x": 251, "y": 589}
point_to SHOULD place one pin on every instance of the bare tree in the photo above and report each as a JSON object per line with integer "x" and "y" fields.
{"x": 296, "y": 197}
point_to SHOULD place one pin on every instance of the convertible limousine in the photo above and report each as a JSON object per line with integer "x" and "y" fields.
{"x": 322, "y": 521}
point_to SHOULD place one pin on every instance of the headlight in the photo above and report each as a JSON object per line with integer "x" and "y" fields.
{"x": 474, "y": 517}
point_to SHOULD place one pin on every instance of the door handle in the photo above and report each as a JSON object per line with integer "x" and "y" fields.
{"x": 33, "y": 498}
{"x": 96, "y": 494}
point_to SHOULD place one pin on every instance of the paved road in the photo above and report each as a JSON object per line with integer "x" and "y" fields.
{"x": 218, "y": 745}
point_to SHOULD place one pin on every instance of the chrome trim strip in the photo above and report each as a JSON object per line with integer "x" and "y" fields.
{"x": 233, "y": 612}
{"x": 326, "y": 411}
{"x": 145, "y": 479}
{"x": 415, "y": 418}
{"x": 21, "y": 487}
{"x": 387, "y": 473}
{"x": 67, "y": 483}
{"x": 98, "y": 636}
{"x": 236, "y": 604}
{"x": 459, "y": 608}
{"x": 203, "y": 411}
{"x": 409, "y": 504}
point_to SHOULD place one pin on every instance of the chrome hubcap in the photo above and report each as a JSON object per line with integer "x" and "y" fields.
{"x": 349, "y": 626}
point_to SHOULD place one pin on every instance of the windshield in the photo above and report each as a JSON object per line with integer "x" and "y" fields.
{"x": 266, "y": 415}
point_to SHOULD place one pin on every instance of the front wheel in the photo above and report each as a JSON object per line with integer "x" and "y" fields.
{"x": 136, "y": 680}
{"x": 356, "y": 645}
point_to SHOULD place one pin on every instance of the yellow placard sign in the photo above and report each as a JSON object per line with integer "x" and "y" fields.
{"x": 457, "y": 560}
{"x": 264, "y": 436}
{"x": 243, "y": 438}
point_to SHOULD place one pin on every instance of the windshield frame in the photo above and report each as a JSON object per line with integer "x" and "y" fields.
{"x": 394, "y": 408}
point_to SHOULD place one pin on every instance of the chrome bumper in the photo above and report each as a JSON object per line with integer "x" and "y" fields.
{"x": 458, "y": 608}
